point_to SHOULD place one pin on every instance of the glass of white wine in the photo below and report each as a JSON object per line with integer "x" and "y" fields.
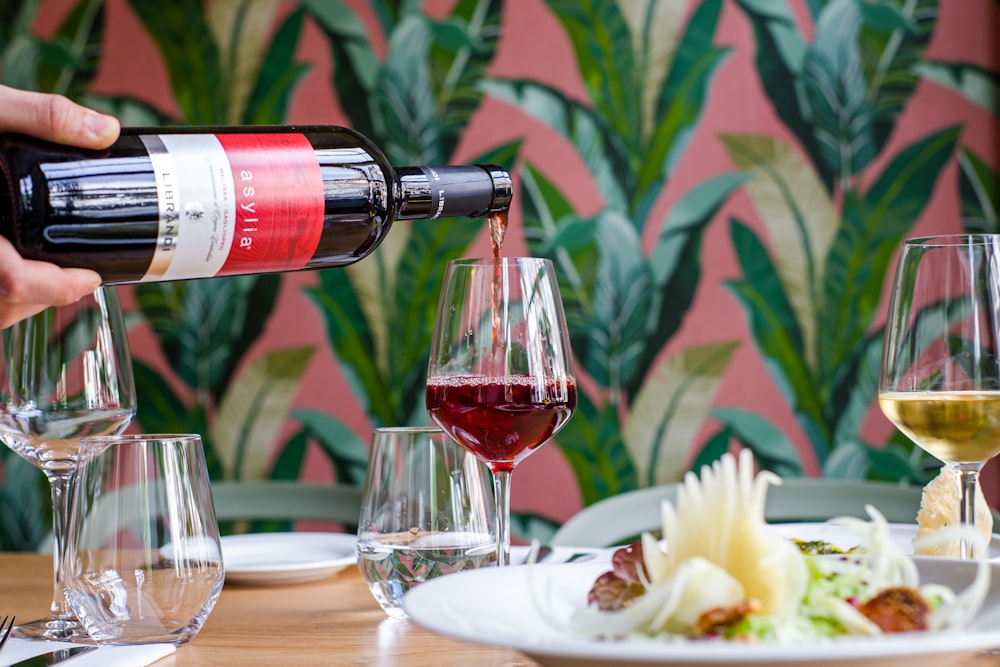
{"x": 940, "y": 378}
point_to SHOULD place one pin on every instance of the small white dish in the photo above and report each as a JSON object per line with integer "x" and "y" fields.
{"x": 286, "y": 558}
{"x": 494, "y": 606}
{"x": 902, "y": 535}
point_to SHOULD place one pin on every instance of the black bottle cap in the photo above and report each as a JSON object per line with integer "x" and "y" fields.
{"x": 454, "y": 191}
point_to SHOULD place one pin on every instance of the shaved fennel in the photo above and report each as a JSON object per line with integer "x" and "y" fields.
{"x": 722, "y": 572}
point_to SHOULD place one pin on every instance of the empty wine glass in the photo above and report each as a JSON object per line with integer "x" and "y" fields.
{"x": 500, "y": 378}
{"x": 940, "y": 379}
{"x": 148, "y": 566}
{"x": 66, "y": 373}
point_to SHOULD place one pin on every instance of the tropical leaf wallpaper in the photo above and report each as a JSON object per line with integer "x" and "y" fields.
{"x": 721, "y": 184}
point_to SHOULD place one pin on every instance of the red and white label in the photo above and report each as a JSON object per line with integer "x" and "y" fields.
{"x": 234, "y": 203}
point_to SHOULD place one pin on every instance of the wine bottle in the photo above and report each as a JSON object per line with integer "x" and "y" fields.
{"x": 178, "y": 203}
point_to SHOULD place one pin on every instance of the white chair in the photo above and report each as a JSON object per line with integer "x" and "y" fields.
{"x": 286, "y": 500}
{"x": 623, "y": 517}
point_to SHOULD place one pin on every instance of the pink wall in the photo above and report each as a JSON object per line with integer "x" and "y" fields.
{"x": 533, "y": 45}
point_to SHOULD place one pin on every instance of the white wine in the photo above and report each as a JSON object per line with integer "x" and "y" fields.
{"x": 953, "y": 426}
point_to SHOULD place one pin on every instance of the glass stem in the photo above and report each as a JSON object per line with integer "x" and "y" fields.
{"x": 62, "y": 555}
{"x": 967, "y": 509}
{"x": 501, "y": 489}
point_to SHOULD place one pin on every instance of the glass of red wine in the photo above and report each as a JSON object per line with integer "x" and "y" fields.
{"x": 500, "y": 380}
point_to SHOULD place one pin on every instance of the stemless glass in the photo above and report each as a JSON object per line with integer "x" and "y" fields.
{"x": 500, "y": 379}
{"x": 65, "y": 374}
{"x": 940, "y": 381}
{"x": 426, "y": 511}
{"x": 148, "y": 566}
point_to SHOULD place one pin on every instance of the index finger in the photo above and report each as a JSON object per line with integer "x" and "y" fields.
{"x": 55, "y": 118}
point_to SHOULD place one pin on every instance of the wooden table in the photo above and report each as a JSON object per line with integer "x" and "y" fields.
{"x": 330, "y": 622}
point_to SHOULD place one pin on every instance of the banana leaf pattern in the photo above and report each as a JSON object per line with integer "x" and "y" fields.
{"x": 824, "y": 202}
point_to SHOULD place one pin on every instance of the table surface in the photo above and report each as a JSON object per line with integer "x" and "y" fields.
{"x": 332, "y": 621}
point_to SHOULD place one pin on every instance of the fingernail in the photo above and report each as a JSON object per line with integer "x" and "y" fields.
{"x": 99, "y": 125}
{"x": 89, "y": 280}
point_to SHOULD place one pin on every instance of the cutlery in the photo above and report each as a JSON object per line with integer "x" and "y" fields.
{"x": 53, "y": 657}
{"x": 546, "y": 555}
{"x": 543, "y": 553}
{"x": 6, "y": 625}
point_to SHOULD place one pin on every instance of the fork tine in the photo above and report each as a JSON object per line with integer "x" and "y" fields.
{"x": 6, "y": 625}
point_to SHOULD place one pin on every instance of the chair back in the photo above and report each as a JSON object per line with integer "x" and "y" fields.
{"x": 281, "y": 500}
{"x": 278, "y": 500}
{"x": 623, "y": 517}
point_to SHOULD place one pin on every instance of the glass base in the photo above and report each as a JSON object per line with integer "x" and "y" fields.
{"x": 53, "y": 629}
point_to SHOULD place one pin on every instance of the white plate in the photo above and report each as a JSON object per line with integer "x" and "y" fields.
{"x": 519, "y": 555}
{"x": 494, "y": 606}
{"x": 902, "y": 534}
{"x": 286, "y": 558}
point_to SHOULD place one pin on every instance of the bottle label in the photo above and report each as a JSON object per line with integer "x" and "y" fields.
{"x": 234, "y": 203}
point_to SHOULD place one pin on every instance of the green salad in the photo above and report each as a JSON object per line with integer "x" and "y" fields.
{"x": 722, "y": 574}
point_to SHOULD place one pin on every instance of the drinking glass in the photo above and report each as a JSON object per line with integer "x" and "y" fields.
{"x": 500, "y": 378}
{"x": 426, "y": 511}
{"x": 148, "y": 566}
{"x": 65, "y": 373}
{"x": 940, "y": 381}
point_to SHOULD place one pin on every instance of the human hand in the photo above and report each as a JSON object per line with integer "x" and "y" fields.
{"x": 29, "y": 286}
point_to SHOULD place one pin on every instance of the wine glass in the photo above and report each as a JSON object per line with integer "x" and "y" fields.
{"x": 500, "y": 379}
{"x": 65, "y": 374}
{"x": 940, "y": 381}
{"x": 148, "y": 566}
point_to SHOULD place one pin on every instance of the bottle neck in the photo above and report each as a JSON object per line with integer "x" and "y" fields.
{"x": 452, "y": 191}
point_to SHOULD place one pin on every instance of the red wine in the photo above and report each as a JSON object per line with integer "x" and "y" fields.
{"x": 177, "y": 203}
{"x": 500, "y": 420}
{"x": 498, "y": 229}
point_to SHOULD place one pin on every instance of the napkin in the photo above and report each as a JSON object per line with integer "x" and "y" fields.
{"x": 105, "y": 656}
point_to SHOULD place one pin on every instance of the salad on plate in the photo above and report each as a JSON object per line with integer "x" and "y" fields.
{"x": 721, "y": 573}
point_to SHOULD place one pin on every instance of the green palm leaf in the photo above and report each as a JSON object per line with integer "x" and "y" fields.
{"x": 405, "y": 122}
{"x": 205, "y": 326}
{"x": 679, "y": 104}
{"x": 241, "y": 30}
{"x": 893, "y": 39}
{"x": 675, "y": 263}
{"x": 772, "y": 449}
{"x": 277, "y": 77}
{"x": 25, "y": 518}
{"x": 597, "y": 30}
{"x": 980, "y": 194}
{"x": 253, "y": 410}
{"x": 70, "y": 59}
{"x": 341, "y": 444}
{"x": 552, "y": 229}
{"x": 355, "y": 64}
{"x": 576, "y": 123}
{"x": 592, "y": 444}
{"x": 841, "y": 115}
{"x": 867, "y": 241}
{"x": 462, "y": 51}
{"x": 191, "y": 56}
{"x": 669, "y": 409}
{"x": 781, "y": 57}
{"x": 789, "y": 196}
{"x": 976, "y": 84}
{"x": 20, "y": 54}
{"x": 776, "y": 332}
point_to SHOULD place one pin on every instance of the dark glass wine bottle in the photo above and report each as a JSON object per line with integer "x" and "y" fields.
{"x": 177, "y": 203}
